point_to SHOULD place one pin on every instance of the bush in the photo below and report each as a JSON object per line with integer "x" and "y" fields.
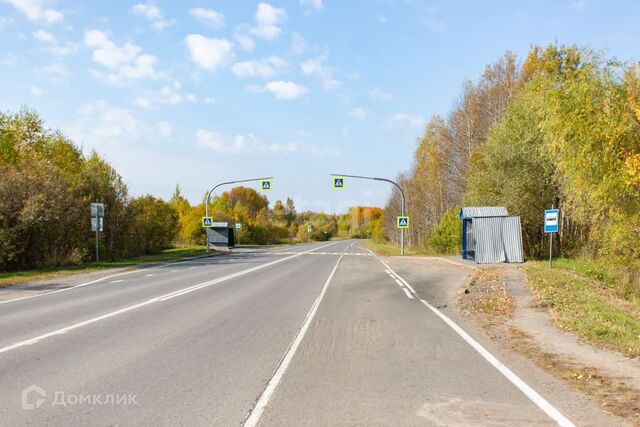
{"x": 446, "y": 237}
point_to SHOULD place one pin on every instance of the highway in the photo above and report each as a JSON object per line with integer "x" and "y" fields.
{"x": 317, "y": 334}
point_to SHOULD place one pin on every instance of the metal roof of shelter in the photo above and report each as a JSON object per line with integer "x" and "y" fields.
{"x": 483, "y": 211}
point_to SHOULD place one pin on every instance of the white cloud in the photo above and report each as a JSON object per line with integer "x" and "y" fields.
{"x": 249, "y": 143}
{"x": 169, "y": 94}
{"x": 125, "y": 63}
{"x": 264, "y": 68}
{"x": 209, "y": 100}
{"x": 381, "y": 19}
{"x": 244, "y": 40}
{"x": 106, "y": 52}
{"x": 316, "y": 67}
{"x": 44, "y": 36}
{"x": 52, "y": 45}
{"x": 209, "y": 17}
{"x": 285, "y": 89}
{"x": 36, "y": 10}
{"x": 298, "y": 44}
{"x": 99, "y": 124}
{"x": 35, "y": 91}
{"x": 268, "y": 21}
{"x": 209, "y": 54}
{"x": 153, "y": 14}
{"x": 316, "y": 4}
{"x": 358, "y": 113}
{"x": 401, "y": 121}
{"x": 378, "y": 94}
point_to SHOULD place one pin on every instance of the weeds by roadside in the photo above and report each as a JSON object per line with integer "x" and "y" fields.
{"x": 588, "y": 307}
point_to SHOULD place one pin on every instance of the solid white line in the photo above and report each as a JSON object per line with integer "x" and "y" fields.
{"x": 93, "y": 281}
{"x": 142, "y": 304}
{"x": 263, "y": 401}
{"x": 536, "y": 398}
{"x": 408, "y": 293}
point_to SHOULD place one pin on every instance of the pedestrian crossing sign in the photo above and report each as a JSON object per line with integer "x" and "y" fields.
{"x": 338, "y": 182}
{"x": 403, "y": 222}
{"x": 207, "y": 221}
{"x": 265, "y": 185}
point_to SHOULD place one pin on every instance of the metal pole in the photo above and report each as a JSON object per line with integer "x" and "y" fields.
{"x": 97, "y": 239}
{"x": 206, "y": 205}
{"x": 551, "y": 244}
{"x": 550, "y": 247}
{"x": 404, "y": 208}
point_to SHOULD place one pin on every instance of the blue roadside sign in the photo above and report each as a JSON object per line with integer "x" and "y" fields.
{"x": 207, "y": 221}
{"x": 265, "y": 185}
{"x": 338, "y": 182}
{"x": 403, "y": 222}
{"x": 551, "y": 220}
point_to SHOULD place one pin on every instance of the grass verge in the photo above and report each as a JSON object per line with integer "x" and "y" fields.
{"x": 389, "y": 249}
{"x": 26, "y": 276}
{"x": 583, "y": 301}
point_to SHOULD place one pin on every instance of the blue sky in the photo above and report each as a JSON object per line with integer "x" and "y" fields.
{"x": 196, "y": 92}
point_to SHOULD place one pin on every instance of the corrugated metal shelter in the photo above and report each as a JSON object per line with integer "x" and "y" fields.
{"x": 490, "y": 235}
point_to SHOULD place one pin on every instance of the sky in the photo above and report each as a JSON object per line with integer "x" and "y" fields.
{"x": 200, "y": 92}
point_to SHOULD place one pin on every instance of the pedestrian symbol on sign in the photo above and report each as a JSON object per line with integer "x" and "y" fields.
{"x": 338, "y": 182}
{"x": 403, "y": 222}
{"x": 265, "y": 185}
{"x": 207, "y": 221}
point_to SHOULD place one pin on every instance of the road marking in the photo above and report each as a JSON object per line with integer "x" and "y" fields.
{"x": 165, "y": 297}
{"x": 150, "y": 274}
{"x": 406, "y": 291}
{"x": 173, "y": 271}
{"x": 94, "y": 281}
{"x": 263, "y": 401}
{"x": 533, "y": 395}
{"x": 116, "y": 281}
{"x": 398, "y": 282}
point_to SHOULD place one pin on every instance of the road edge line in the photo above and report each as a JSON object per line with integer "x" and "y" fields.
{"x": 514, "y": 379}
{"x": 262, "y": 402}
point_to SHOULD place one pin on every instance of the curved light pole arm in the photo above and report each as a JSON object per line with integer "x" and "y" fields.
{"x": 404, "y": 206}
{"x": 206, "y": 204}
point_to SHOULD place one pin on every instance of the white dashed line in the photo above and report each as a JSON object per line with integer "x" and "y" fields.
{"x": 116, "y": 281}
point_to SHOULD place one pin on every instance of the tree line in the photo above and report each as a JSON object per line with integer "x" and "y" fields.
{"x": 561, "y": 128}
{"x": 47, "y": 184}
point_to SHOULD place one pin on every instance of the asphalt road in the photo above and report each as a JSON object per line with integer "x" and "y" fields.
{"x": 318, "y": 334}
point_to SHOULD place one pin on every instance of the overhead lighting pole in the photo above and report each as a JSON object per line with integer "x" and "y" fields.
{"x": 404, "y": 207}
{"x": 206, "y": 205}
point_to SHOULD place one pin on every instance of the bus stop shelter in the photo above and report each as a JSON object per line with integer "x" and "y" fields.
{"x": 221, "y": 234}
{"x": 490, "y": 235}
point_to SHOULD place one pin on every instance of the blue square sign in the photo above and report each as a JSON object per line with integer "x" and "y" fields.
{"x": 551, "y": 220}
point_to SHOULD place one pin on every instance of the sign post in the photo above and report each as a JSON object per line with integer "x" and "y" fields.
{"x": 309, "y": 231}
{"x": 551, "y": 225}
{"x": 97, "y": 224}
{"x": 238, "y": 228}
